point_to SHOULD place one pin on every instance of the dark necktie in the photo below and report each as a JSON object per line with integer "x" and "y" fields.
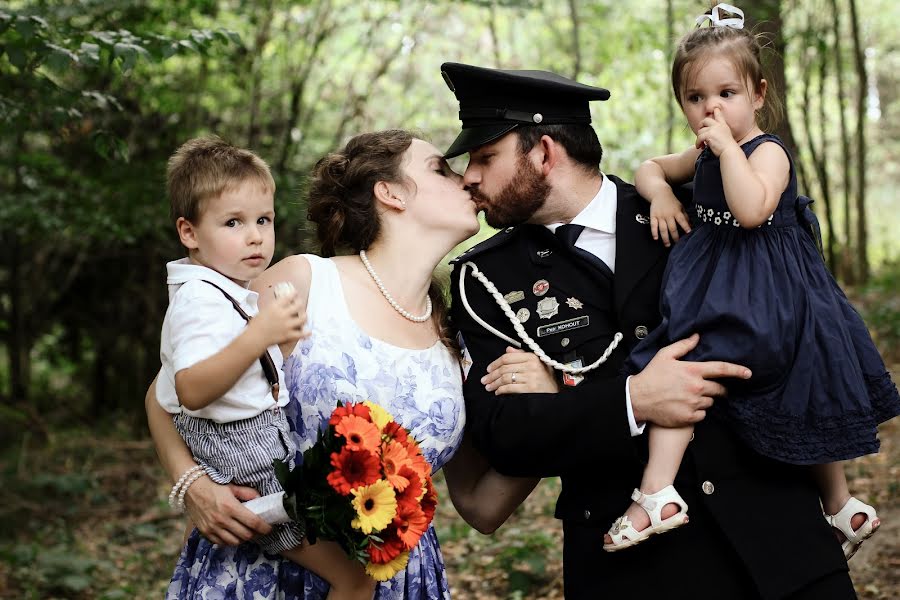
{"x": 568, "y": 235}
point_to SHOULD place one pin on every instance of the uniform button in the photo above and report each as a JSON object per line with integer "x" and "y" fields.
{"x": 640, "y": 332}
{"x": 587, "y": 514}
{"x": 564, "y": 342}
{"x": 708, "y": 488}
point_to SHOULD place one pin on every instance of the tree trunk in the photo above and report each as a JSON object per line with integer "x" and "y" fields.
{"x": 862, "y": 237}
{"x": 256, "y": 71}
{"x": 18, "y": 342}
{"x": 670, "y": 106}
{"x": 576, "y": 42}
{"x": 848, "y": 270}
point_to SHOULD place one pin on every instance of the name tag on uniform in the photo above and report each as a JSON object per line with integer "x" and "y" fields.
{"x": 570, "y": 379}
{"x": 561, "y": 326}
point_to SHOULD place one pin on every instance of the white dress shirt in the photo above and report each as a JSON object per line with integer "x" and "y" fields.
{"x": 200, "y": 322}
{"x": 599, "y": 238}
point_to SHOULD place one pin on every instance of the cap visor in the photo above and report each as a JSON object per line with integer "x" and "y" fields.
{"x": 473, "y": 137}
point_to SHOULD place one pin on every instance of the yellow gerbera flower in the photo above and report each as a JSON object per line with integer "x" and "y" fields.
{"x": 375, "y": 505}
{"x": 379, "y": 416}
{"x": 388, "y": 570}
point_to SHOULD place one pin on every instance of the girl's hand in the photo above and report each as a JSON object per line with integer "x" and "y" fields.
{"x": 519, "y": 372}
{"x": 667, "y": 214}
{"x": 280, "y": 322}
{"x": 715, "y": 133}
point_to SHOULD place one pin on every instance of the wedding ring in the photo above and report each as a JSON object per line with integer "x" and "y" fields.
{"x": 514, "y": 377}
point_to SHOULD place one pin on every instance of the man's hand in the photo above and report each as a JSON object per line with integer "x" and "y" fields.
{"x": 675, "y": 393}
{"x": 217, "y": 512}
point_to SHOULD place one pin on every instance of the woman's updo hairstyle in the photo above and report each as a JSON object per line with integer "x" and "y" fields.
{"x": 341, "y": 200}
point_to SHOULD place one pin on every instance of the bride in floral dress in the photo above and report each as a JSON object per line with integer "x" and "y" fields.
{"x": 378, "y": 332}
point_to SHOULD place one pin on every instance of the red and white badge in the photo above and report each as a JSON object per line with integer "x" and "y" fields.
{"x": 540, "y": 287}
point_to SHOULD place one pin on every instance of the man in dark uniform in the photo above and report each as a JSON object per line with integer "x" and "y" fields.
{"x": 575, "y": 276}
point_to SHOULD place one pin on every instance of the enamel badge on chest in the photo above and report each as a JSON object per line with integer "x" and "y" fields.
{"x": 546, "y": 308}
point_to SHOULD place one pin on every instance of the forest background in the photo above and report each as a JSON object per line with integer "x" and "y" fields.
{"x": 96, "y": 94}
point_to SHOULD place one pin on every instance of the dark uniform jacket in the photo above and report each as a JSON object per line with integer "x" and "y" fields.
{"x": 756, "y": 527}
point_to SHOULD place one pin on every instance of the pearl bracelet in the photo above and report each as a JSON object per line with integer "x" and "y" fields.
{"x": 178, "y": 484}
{"x": 179, "y": 506}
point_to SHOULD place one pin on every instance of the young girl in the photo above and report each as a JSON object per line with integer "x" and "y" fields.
{"x": 750, "y": 280}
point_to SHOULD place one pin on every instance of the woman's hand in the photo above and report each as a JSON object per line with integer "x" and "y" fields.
{"x": 216, "y": 510}
{"x": 667, "y": 214}
{"x": 519, "y": 372}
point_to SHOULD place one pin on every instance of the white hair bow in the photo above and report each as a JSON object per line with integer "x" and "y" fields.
{"x": 715, "y": 20}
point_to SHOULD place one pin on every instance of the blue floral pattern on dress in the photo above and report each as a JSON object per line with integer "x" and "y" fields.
{"x": 422, "y": 389}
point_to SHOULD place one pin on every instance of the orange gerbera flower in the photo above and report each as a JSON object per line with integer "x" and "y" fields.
{"x": 418, "y": 463}
{"x": 382, "y": 553}
{"x": 411, "y": 524}
{"x": 411, "y": 494}
{"x": 395, "y": 431}
{"x": 360, "y": 410}
{"x": 360, "y": 433}
{"x": 353, "y": 469}
{"x": 394, "y": 458}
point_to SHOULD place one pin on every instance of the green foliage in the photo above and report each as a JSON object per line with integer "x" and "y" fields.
{"x": 881, "y": 310}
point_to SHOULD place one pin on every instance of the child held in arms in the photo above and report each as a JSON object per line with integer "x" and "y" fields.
{"x": 221, "y": 365}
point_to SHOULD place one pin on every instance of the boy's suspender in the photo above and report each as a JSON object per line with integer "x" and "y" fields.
{"x": 268, "y": 365}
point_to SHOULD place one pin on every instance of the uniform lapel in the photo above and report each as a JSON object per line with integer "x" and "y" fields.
{"x": 636, "y": 250}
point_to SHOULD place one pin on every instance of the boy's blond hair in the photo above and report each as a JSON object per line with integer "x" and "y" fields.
{"x": 204, "y": 168}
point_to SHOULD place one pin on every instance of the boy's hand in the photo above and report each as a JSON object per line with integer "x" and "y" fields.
{"x": 715, "y": 133}
{"x": 280, "y": 322}
{"x": 667, "y": 214}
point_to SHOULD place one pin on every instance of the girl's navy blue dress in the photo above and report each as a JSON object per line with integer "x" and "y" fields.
{"x": 763, "y": 298}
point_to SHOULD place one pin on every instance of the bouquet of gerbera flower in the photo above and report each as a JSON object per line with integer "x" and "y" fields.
{"x": 364, "y": 485}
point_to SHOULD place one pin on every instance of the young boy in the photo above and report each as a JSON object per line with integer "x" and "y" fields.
{"x": 221, "y": 377}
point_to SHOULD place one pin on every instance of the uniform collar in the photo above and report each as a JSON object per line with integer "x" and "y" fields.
{"x": 181, "y": 271}
{"x": 600, "y": 213}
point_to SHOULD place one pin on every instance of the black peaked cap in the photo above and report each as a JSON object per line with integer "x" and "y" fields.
{"x": 493, "y": 102}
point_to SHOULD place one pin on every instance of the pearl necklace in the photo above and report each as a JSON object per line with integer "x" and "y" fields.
{"x": 387, "y": 296}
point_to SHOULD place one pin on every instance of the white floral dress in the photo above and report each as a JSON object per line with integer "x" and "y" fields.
{"x": 422, "y": 389}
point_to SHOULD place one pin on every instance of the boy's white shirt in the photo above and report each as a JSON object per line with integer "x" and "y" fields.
{"x": 199, "y": 322}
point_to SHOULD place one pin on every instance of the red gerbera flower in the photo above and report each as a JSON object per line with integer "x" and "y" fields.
{"x": 353, "y": 469}
{"x": 360, "y": 433}
{"x": 396, "y": 432}
{"x": 429, "y": 501}
{"x": 383, "y": 553}
{"x": 360, "y": 410}
{"x": 411, "y": 524}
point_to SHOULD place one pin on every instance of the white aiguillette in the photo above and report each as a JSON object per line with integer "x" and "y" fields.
{"x": 269, "y": 508}
{"x": 283, "y": 289}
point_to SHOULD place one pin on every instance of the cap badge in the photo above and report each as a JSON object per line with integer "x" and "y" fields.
{"x": 574, "y": 303}
{"x": 537, "y": 118}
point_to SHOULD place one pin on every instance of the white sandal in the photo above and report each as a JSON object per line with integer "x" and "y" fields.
{"x": 623, "y": 533}
{"x": 841, "y": 522}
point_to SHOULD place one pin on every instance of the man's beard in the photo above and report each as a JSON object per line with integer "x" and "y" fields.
{"x": 516, "y": 203}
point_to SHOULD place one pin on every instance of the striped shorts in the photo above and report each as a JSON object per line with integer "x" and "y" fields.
{"x": 242, "y": 452}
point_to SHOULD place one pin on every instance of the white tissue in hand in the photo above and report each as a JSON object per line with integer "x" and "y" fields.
{"x": 284, "y": 289}
{"x": 269, "y": 508}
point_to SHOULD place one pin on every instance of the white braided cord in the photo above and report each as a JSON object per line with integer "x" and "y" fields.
{"x": 520, "y": 330}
